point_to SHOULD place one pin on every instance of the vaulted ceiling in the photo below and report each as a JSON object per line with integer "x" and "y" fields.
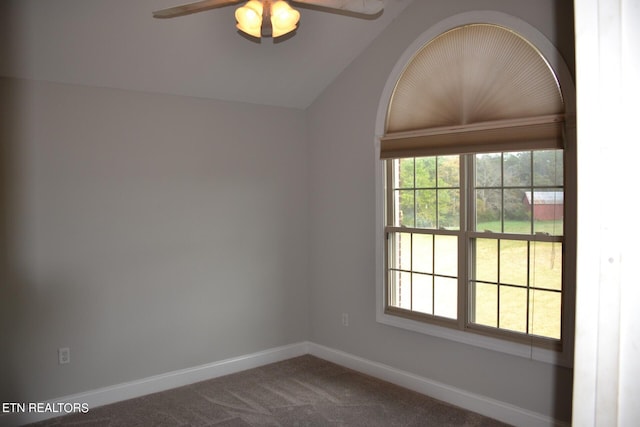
{"x": 118, "y": 44}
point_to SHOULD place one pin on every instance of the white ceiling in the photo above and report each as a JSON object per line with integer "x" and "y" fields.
{"x": 117, "y": 44}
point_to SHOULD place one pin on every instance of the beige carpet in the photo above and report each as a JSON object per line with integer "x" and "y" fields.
{"x": 304, "y": 391}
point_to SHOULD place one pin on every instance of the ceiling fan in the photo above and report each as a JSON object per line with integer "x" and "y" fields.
{"x": 275, "y": 18}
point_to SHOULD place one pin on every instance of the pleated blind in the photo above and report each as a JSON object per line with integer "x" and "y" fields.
{"x": 475, "y": 88}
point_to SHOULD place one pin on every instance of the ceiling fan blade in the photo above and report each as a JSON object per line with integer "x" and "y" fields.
{"x": 189, "y": 8}
{"x": 361, "y": 7}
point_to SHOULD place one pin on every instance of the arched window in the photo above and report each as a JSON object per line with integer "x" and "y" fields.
{"x": 479, "y": 197}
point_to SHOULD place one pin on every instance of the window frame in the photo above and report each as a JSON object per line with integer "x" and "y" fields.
{"x": 466, "y": 233}
{"x": 389, "y": 227}
{"x": 563, "y": 357}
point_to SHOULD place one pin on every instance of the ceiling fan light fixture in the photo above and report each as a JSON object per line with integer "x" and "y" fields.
{"x": 249, "y": 18}
{"x": 284, "y": 18}
{"x": 273, "y": 18}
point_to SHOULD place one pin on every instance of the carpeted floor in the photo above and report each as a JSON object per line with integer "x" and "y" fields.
{"x": 304, "y": 391}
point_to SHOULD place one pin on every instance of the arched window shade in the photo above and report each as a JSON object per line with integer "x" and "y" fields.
{"x": 474, "y": 88}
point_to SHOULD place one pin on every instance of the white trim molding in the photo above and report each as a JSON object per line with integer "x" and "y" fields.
{"x": 480, "y": 404}
{"x": 129, "y": 390}
{"x": 471, "y": 401}
{"x": 562, "y": 72}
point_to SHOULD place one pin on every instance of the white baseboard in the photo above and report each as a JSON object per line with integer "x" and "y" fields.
{"x": 157, "y": 383}
{"x": 474, "y": 402}
{"x": 483, "y": 405}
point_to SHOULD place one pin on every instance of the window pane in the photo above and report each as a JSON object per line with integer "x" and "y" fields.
{"x": 517, "y": 169}
{"x": 401, "y": 258}
{"x": 485, "y": 304}
{"x": 546, "y": 265}
{"x": 489, "y": 210}
{"x": 488, "y": 172}
{"x": 544, "y": 313}
{"x": 446, "y": 297}
{"x": 404, "y": 173}
{"x": 486, "y": 260}
{"x": 400, "y": 289}
{"x": 548, "y": 168}
{"x": 423, "y": 293}
{"x": 448, "y": 171}
{"x": 517, "y": 218}
{"x": 449, "y": 209}
{"x": 405, "y": 211}
{"x": 446, "y": 255}
{"x": 426, "y": 208}
{"x": 513, "y": 262}
{"x": 513, "y": 308}
{"x": 426, "y": 172}
{"x": 423, "y": 253}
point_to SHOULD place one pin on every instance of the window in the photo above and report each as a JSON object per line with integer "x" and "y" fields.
{"x": 476, "y": 241}
{"x": 423, "y": 233}
{"x": 479, "y": 192}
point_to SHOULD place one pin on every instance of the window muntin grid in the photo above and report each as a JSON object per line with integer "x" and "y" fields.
{"x": 426, "y": 192}
{"x": 423, "y": 275}
{"x": 515, "y": 289}
{"x": 517, "y": 286}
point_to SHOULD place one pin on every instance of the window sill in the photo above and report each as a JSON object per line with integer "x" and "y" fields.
{"x": 515, "y": 349}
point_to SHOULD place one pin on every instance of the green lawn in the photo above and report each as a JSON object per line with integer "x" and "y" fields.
{"x": 510, "y": 259}
{"x": 505, "y": 304}
{"x": 554, "y": 228}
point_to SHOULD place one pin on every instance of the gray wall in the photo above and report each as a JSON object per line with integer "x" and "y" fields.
{"x": 148, "y": 233}
{"x": 342, "y": 240}
{"x": 151, "y": 233}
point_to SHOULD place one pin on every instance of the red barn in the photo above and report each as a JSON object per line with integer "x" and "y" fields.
{"x": 547, "y": 205}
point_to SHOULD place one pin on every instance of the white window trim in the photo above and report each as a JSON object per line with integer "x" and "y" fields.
{"x": 563, "y": 358}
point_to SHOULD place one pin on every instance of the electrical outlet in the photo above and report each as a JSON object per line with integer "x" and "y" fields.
{"x": 64, "y": 355}
{"x": 345, "y": 319}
